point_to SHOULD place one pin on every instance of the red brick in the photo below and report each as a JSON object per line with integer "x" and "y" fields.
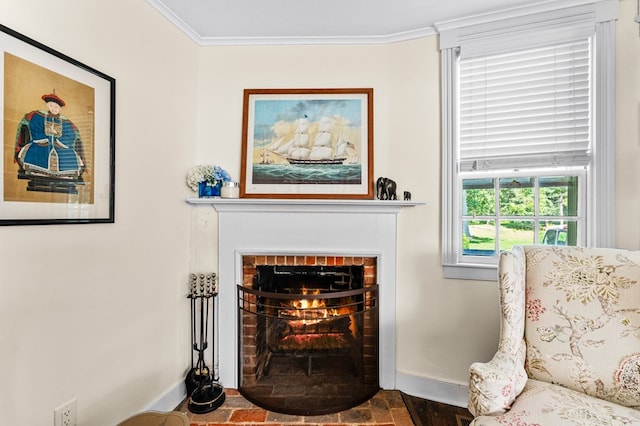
{"x": 248, "y": 415}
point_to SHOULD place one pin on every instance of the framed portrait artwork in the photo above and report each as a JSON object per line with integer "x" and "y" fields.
{"x": 59, "y": 137}
{"x": 307, "y": 143}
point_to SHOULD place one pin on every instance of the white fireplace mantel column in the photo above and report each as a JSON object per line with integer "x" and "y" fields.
{"x": 304, "y": 227}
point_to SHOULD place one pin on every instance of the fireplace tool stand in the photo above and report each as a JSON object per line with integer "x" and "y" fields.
{"x": 205, "y": 394}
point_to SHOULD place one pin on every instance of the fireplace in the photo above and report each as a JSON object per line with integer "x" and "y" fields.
{"x": 316, "y": 325}
{"x": 281, "y": 230}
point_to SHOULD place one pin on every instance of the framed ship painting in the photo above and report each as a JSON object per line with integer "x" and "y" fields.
{"x": 307, "y": 143}
{"x": 58, "y": 133}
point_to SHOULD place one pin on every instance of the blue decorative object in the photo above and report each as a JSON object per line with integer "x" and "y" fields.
{"x": 206, "y": 189}
{"x": 215, "y": 188}
{"x": 207, "y": 180}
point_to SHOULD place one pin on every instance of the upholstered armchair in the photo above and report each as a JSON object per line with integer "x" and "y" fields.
{"x": 569, "y": 348}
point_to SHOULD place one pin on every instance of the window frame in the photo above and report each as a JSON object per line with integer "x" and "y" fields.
{"x": 598, "y": 211}
{"x": 579, "y": 172}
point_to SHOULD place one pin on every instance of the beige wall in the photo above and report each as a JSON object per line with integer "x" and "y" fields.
{"x": 628, "y": 127}
{"x": 98, "y": 312}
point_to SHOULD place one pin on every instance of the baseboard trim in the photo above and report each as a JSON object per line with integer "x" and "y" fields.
{"x": 421, "y": 387}
{"x": 170, "y": 399}
{"x": 433, "y": 390}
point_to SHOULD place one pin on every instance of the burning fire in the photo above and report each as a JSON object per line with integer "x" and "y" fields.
{"x": 313, "y": 311}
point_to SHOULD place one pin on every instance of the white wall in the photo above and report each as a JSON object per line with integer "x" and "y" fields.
{"x": 98, "y": 312}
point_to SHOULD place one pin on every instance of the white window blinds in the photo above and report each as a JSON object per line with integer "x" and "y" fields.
{"x": 528, "y": 108}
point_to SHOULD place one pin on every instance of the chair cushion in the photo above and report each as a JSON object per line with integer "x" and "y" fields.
{"x": 583, "y": 320}
{"x": 546, "y": 404}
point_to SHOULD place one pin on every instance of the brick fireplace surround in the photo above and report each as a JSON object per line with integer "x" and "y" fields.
{"x": 345, "y": 362}
{"x": 249, "y": 264}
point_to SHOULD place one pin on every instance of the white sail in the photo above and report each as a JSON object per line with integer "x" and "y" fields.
{"x": 273, "y": 146}
{"x": 300, "y": 139}
{"x": 341, "y": 149}
{"x": 299, "y": 153}
{"x": 322, "y": 139}
{"x": 302, "y": 125}
{"x": 320, "y": 150}
{"x": 321, "y": 153}
{"x": 285, "y": 148}
{"x": 325, "y": 124}
{"x": 265, "y": 157}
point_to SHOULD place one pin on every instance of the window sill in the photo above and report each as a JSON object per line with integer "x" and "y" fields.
{"x": 471, "y": 272}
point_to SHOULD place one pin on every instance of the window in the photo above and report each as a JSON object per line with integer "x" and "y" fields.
{"x": 527, "y": 133}
{"x": 504, "y": 210}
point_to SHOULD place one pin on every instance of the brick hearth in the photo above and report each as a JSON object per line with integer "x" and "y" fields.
{"x": 385, "y": 409}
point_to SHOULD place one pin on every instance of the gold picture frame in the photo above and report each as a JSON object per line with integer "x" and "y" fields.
{"x": 307, "y": 143}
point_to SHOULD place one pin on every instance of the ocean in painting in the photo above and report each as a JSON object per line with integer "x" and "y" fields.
{"x": 345, "y": 174}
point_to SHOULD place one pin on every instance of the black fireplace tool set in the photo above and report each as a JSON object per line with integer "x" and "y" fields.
{"x": 204, "y": 393}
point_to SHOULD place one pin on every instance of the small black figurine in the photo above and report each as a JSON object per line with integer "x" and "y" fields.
{"x": 386, "y": 189}
{"x": 407, "y": 196}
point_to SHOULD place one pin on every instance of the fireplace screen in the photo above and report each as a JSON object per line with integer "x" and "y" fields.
{"x": 309, "y": 341}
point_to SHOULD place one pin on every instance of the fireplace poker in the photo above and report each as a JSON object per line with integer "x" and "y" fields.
{"x": 207, "y": 396}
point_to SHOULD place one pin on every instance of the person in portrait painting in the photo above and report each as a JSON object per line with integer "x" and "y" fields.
{"x": 49, "y": 148}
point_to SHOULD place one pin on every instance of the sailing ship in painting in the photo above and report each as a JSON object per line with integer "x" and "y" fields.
{"x": 318, "y": 143}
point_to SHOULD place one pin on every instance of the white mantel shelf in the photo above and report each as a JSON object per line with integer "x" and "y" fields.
{"x": 306, "y": 205}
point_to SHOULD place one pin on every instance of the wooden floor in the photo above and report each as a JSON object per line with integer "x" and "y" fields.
{"x": 387, "y": 408}
{"x": 429, "y": 413}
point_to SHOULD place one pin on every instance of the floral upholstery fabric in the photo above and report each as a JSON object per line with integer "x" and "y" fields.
{"x": 494, "y": 385}
{"x": 546, "y": 404}
{"x": 577, "y": 313}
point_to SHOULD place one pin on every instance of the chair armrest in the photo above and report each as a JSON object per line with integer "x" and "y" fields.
{"x": 494, "y": 385}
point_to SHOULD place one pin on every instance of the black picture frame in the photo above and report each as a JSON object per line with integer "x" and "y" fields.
{"x": 58, "y": 121}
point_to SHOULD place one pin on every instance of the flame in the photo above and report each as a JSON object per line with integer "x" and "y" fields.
{"x": 312, "y": 311}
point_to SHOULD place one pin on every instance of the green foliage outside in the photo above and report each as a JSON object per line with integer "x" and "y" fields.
{"x": 517, "y": 202}
{"x": 515, "y": 198}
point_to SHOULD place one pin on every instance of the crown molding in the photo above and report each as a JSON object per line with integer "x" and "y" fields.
{"x": 288, "y": 40}
{"x": 319, "y": 40}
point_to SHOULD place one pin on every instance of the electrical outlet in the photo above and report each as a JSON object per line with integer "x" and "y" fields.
{"x": 66, "y": 414}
